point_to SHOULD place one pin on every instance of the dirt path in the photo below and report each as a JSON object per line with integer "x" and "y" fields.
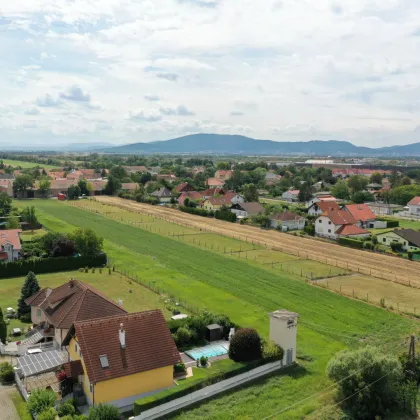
{"x": 378, "y": 265}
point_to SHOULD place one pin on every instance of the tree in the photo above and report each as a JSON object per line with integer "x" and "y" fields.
{"x": 29, "y": 288}
{"x": 103, "y": 173}
{"x": 104, "y": 412}
{"x": 90, "y": 188}
{"x": 250, "y": 192}
{"x": 63, "y": 247}
{"x": 340, "y": 190}
{"x": 12, "y": 222}
{"x": 245, "y": 346}
{"x": 87, "y": 242}
{"x": 354, "y": 370}
{"x": 305, "y": 192}
{"x": 376, "y": 178}
{"x": 83, "y": 185}
{"x": 29, "y": 215}
{"x": 357, "y": 183}
{"x": 112, "y": 186}
{"x": 44, "y": 186}
{"x": 41, "y": 400}
{"x": 22, "y": 183}
{"x": 403, "y": 194}
{"x": 3, "y": 328}
{"x": 362, "y": 197}
{"x": 5, "y": 204}
{"x": 73, "y": 192}
{"x": 118, "y": 172}
{"x": 394, "y": 179}
{"x": 405, "y": 181}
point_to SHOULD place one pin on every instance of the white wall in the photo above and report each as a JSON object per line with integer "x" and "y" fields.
{"x": 34, "y": 315}
{"x": 414, "y": 210}
{"x": 290, "y": 224}
{"x": 242, "y": 213}
{"x": 284, "y": 334}
{"x": 324, "y": 227}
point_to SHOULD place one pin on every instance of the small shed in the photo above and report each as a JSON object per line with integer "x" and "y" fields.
{"x": 214, "y": 332}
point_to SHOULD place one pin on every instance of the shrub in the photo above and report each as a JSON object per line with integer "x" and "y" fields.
{"x": 182, "y": 336}
{"x": 368, "y": 245}
{"x": 396, "y": 246}
{"x": 245, "y": 346}
{"x": 272, "y": 351}
{"x": 353, "y": 243}
{"x": 66, "y": 409}
{"x": 7, "y": 374}
{"x": 204, "y": 361}
{"x": 179, "y": 368}
{"x": 48, "y": 414}
{"x": 309, "y": 229}
{"x": 225, "y": 215}
{"x": 104, "y": 412}
{"x": 197, "y": 211}
{"x": 40, "y": 400}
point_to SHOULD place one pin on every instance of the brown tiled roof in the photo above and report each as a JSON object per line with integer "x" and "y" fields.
{"x": 149, "y": 344}
{"x": 219, "y": 201}
{"x": 360, "y": 212}
{"x": 340, "y": 217}
{"x": 130, "y": 186}
{"x": 73, "y": 369}
{"x": 37, "y": 298}
{"x": 75, "y": 301}
{"x": 349, "y": 230}
{"x": 12, "y": 237}
{"x": 212, "y": 191}
{"x": 215, "y": 182}
{"x": 327, "y": 205}
{"x": 252, "y": 208}
{"x": 184, "y": 186}
{"x": 286, "y": 216}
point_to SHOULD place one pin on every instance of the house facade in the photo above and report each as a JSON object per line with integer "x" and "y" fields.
{"x": 247, "y": 209}
{"x": 317, "y": 208}
{"x": 163, "y": 195}
{"x": 414, "y": 207}
{"x": 6, "y": 186}
{"x": 287, "y": 221}
{"x": 291, "y": 196}
{"x": 215, "y": 203}
{"x": 334, "y": 224}
{"x": 408, "y": 238}
{"x": 124, "y": 357}
{"x": 10, "y": 245}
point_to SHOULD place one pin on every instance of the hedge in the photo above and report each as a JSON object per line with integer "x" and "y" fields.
{"x": 353, "y": 243}
{"x": 147, "y": 403}
{"x": 225, "y": 215}
{"x": 197, "y": 211}
{"x": 389, "y": 223}
{"x": 50, "y": 265}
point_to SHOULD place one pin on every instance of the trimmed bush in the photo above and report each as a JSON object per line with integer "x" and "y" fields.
{"x": 182, "y": 336}
{"x": 368, "y": 245}
{"x": 179, "y": 368}
{"x": 50, "y": 265}
{"x": 245, "y": 346}
{"x": 41, "y": 400}
{"x": 353, "y": 243}
{"x": 7, "y": 373}
{"x": 204, "y": 361}
{"x": 197, "y": 211}
{"x": 225, "y": 215}
{"x": 272, "y": 351}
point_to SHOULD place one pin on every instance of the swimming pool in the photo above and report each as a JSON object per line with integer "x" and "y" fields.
{"x": 211, "y": 350}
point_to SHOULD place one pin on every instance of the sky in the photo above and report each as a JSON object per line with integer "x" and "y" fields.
{"x": 126, "y": 71}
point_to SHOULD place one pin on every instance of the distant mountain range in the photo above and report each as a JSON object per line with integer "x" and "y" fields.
{"x": 240, "y": 145}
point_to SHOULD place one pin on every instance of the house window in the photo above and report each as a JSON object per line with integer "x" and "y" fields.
{"x": 320, "y": 221}
{"x": 329, "y": 230}
{"x": 384, "y": 240}
{"x": 91, "y": 388}
{"x": 38, "y": 313}
{"x": 104, "y": 360}
{"x": 75, "y": 347}
{"x": 329, "y": 222}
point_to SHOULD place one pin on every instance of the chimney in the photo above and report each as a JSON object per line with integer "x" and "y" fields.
{"x": 122, "y": 336}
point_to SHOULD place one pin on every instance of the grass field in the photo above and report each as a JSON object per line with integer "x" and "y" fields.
{"x": 246, "y": 291}
{"x": 26, "y": 165}
{"x": 30, "y": 235}
{"x": 21, "y": 406}
{"x": 406, "y": 299}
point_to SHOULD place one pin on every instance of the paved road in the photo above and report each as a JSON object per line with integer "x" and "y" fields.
{"x": 8, "y": 410}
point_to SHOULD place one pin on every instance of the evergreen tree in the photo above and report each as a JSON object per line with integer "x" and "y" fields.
{"x": 3, "y": 328}
{"x": 29, "y": 288}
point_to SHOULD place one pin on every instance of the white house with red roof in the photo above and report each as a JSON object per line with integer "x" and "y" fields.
{"x": 334, "y": 224}
{"x": 321, "y": 197}
{"x": 10, "y": 245}
{"x": 316, "y": 209}
{"x": 414, "y": 206}
{"x": 291, "y": 195}
{"x": 364, "y": 216}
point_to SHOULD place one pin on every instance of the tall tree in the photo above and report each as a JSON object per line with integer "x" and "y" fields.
{"x": 29, "y": 215}
{"x": 83, "y": 185}
{"x": 250, "y": 192}
{"x": 87, "y": 241}
{"x": 305, "y": 192}
{"x": 44, "y": 186}
{"x": 112, "y": 186}
{"x": 22, "y": 183}
{"x": 340, "y": 190}
{"x": 376, "y": 178}
{"x": 29, "y": 288}
{"x": 3, "y": 328}
{"x": 5, "y": 204}
{"x": 73, "y": 192}
{"x": 12, "y": 222}
{"x": 357, "y": 183}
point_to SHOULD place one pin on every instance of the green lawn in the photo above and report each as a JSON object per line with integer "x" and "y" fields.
{"x": 30, "y": 235}
{"x": 246, "y": 291}
{"x": 21, "y": 407}
{"x": 26, "y": 165}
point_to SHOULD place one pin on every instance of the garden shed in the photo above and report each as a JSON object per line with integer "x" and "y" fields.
{"x": 214, "y": 332}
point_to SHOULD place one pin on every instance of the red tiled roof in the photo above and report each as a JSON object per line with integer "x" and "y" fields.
{"x": 360, "y": 212}
{"x": 219, "y": 201}
{"x": 10, "y": 236}
{"x": 294, "y": 192}
{"x": 73, "y": 369}
{"x": 414, "y": 202}
{"x": 74, "y": 301}
{"x": 327, "y": 205}
{"x": 149, "y": 344}
{"x": 349, "y": 230}
{"x": 62, "y": 184}
{"x": 184, "y": 186}
{"x": 326, "y": 198}
{"x": 193, "y": 195}
{"x": 286, "y": 216}
{"x": 214, "y": 182}
{"x": 37, "y": 298}
{"x": 3, "y": 256}
{"x": 339, "y": 217}
{"x": 212, "y": 191}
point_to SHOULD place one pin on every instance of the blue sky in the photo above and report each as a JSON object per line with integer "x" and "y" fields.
{"x": 122, "y": 71}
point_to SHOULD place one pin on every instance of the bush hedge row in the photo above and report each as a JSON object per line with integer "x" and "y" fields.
{"x": 389, "y": 223}
{"x": 197, "y": 211}
{"x": 50, "y": 265}
{"x": 353, "y": 243}
{"x": 147, "y": 403}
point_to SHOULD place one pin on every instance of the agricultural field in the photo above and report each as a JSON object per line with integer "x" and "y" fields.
{"x": 245, "y": 290}
{"x": 406, "y": 299}
{"x": 114, "y": 285}
{"x": 26, "y": 165}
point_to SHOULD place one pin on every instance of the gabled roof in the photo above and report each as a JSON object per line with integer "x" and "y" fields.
{"x": 148, "y": 344}
{"x": 339, "y": 217}
{"x": 231, "y": 194}
{"x": 73, "y": 301}
{"x": 183, "y": 186}
{"x": 215, "y": 182}
{"x": 414, "y": 202}
{"x": 252, "y": 208}
{"x": 193, "y": 195}
{"x": 410, "y": 235}
{"x": 10, "y": 236}
{"x": 286, "y": 216}
{"x": 219, "y": 201}
{"x": 62, "y": 184}
{"x": 129, "y": 186}
{"x": 350, "y": 230}
{"x": 294, "y": 192}
{"x": 326, "y": 205}
{"x": 212, "y": 191}
{"x": 162, "y": 192}
{"x": 360, "y": 212}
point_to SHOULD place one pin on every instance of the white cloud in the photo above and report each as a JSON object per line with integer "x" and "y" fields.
{"x": 293, "y": 70}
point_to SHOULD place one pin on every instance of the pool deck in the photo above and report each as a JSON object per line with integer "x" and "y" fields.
{"x": 189, "y": 361}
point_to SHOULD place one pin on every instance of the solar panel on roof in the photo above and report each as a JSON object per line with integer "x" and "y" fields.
{"x": 33, "y": 364}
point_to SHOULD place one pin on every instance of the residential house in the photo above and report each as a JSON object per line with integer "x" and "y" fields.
{"x": 183, "y": 187}
{"x": 129, "y": 186}
{"x": 320, "y": 207}
{"x": 291, "y": 195}
{"x": 60, "y": 186}
{"x": 321, "y": 197}
{"x": 58, "y": 309}
{"x": 166, "y": 177}
{"x": 6, "y": 186}
{"x": 74, "y": 175}
{"x": 234, "y": 197}
{"x": 211, "y": 192}
{"x": 124, "y": 357}
{"x": 216, "y": 203}
{"x": 384, "y": 209}
{"x": 247, "y": 209}
{"x": 414, "y": 206}
{"x": 334, "y": 224}
{"x": 6, "y": 175}
{"x": 364, "y": 216}
{"x": 287, "y": 221}
{"x": 134, "y": 169}
{"x": 164, "y": 195}
{"x": 215, "y": 182}
{"x": 408, "y": 238}
{"x": 98, "y": 186}
{"x": 10, "y": 246}
{"x": 192, "y": 195}
{"x": 223, "y": 175}
{"x": 91, "y": 173}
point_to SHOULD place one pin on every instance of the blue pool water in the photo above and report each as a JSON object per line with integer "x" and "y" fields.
{"x": 208, "y": 351}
